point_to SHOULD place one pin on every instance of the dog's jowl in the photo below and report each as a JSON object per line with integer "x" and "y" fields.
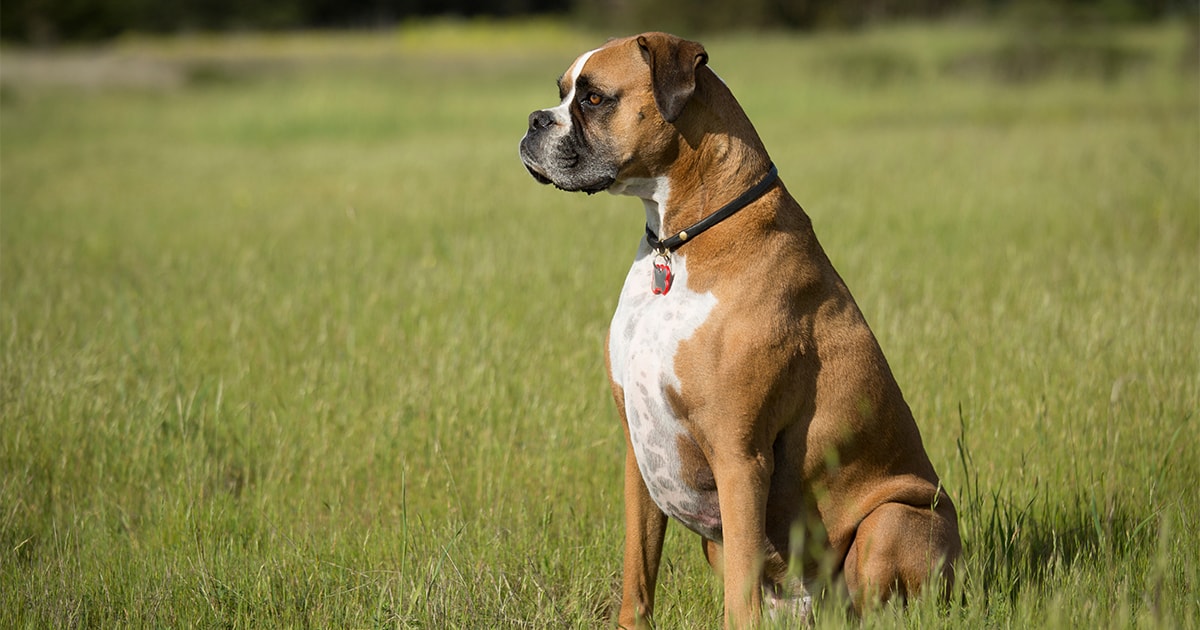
{"x": 759, "y": 410}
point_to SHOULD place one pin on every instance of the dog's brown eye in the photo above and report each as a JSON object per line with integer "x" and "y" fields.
{"x": 594, "y": 98}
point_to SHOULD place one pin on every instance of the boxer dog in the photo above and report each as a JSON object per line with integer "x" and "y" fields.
{"x": 758, "y": 408}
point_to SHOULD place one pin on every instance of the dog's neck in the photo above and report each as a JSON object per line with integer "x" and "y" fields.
{"x": 719, "y": 155}
{"x": 655, "y": 193}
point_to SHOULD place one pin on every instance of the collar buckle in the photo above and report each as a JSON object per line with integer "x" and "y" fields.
{"x": 669, "y": 245}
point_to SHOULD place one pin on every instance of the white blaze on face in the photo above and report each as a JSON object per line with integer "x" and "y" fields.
{"x": 562, "y": 113}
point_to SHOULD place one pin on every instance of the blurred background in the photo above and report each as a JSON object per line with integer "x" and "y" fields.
{"x": 45, "y": 22}
{"x": 290, "y": 338}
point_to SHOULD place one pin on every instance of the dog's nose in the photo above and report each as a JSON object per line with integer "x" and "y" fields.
{"x": 541, "y": 119}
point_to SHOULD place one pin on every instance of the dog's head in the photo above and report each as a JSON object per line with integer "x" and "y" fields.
{"x": 617, "y": 112}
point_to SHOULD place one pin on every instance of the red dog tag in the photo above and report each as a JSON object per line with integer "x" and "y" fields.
{"x": 661, "y": 282}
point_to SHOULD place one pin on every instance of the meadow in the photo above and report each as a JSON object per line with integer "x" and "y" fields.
{"x": 289, "y": 337}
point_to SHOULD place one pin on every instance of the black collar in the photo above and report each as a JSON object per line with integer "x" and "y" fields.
{"x": 675, "y": 242}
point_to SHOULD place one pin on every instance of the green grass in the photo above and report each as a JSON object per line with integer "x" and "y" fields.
{"x": 290, "y": 338}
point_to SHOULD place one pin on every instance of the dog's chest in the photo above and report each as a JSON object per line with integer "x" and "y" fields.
{"x": 645, "y": 336}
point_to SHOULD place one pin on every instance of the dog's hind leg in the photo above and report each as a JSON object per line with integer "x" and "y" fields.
{"x": 898, "y": 549}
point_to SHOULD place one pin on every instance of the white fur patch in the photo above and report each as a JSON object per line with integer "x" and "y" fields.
{"x": 653, "y": 191}
{"x": 562, "y": 113}
{"x": 794, "y": 607}
{"x": 646, "y": 332}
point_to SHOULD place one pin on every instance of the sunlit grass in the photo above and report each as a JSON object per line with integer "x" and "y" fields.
{"x": 292, "y": 338}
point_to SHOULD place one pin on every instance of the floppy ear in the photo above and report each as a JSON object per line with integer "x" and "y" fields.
{"x": 673, "y": 63}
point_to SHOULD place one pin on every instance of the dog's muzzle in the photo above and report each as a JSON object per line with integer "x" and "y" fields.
{"x": 556, "y": 153}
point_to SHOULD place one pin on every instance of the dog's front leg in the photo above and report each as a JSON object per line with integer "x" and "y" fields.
{"x": 645, "y": 527}
{"x": 742, "y": 483}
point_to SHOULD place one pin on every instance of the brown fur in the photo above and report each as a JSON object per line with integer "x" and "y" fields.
{"x": 793, "y": 415}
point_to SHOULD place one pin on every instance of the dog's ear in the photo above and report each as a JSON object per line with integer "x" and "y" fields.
{"x": 673, "y": 64}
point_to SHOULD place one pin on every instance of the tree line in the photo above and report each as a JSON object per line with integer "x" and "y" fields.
{"x": 53, "y": 21}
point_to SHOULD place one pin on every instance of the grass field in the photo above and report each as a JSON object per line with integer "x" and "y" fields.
{"x": 291, "y": 339}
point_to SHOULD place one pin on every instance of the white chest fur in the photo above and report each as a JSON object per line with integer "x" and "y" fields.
{"x": 645, "y": 335}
